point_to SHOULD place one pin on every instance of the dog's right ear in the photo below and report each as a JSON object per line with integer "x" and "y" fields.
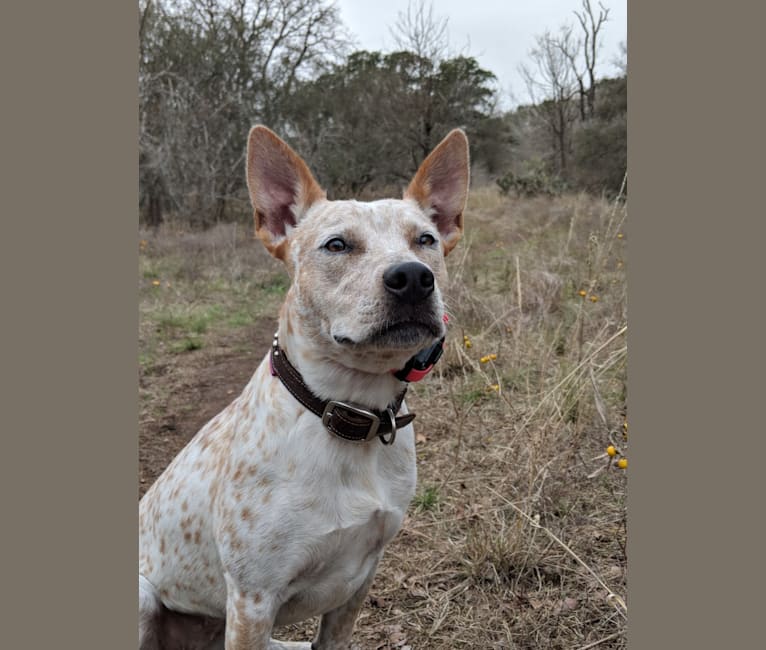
{"x": 281, "y": 187}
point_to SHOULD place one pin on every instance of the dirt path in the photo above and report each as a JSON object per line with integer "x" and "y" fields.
{"x": 188, "y": 390}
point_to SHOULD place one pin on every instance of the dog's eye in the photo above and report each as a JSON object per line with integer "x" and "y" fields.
{"x": 336, "y": 245}
{"x": 426, "y": 239}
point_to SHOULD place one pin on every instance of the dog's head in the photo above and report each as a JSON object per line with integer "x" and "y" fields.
{"x": 366, "y": 276}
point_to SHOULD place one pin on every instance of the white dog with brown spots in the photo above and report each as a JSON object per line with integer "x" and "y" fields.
{"x": 278, "y": 510}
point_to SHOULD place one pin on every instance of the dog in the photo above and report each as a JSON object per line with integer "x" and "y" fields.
{"x": 279, "y": 509}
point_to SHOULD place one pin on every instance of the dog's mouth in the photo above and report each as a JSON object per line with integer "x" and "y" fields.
{"x": 402, "y": 334}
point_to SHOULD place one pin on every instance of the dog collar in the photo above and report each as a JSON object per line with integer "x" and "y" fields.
{"x": 347, "y": 421}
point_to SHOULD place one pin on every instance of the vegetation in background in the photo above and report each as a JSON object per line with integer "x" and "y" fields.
{"x": 211, "y": 69}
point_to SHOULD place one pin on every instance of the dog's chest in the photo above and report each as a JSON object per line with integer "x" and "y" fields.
{"x": 278, "y": 503}
{"x": 339, "y": 562}
{"x": 332, "y": 509}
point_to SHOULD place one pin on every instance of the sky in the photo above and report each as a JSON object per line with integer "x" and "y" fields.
{"x": 498, "y": 33}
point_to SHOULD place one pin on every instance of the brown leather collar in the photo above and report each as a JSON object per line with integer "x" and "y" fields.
{"x": 348, "y": 421}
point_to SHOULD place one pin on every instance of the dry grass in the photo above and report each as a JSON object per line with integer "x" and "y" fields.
{"x": 517, "y": 535}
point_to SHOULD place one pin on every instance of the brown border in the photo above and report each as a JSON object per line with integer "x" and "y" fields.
{"x": 693, "y": 482}
{"x": 69, "y": 325}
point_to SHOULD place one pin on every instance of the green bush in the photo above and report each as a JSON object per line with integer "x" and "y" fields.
{"x": 534, "y": 179}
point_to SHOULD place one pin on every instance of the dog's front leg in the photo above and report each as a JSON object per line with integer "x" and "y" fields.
{"x": 250, "y": 619}
{"x": 336, "y": 626}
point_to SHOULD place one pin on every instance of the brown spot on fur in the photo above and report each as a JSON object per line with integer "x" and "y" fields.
{"x": 197, "y": 537}
{"x": 246, "y": 514}
{"x": 252, "y": 470}
{"x": 187, "y": 536}
{"x": 185, "y": 505}
{"x": 162, "y": 545}
{"x": 257, "y": 597}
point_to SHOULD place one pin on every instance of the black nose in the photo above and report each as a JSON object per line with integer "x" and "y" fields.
{"x": 410, "y": 282}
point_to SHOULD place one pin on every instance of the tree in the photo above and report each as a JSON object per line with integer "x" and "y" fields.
{"x": 209, "y": 69}
{"x": 368, "y": 123}
{"x": 551, "y": 85}
{"x": 591, "y": 25}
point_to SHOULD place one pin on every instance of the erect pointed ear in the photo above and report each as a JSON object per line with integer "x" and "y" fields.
{"x": 440, "y": 186}
{"x": 281, "y": 188}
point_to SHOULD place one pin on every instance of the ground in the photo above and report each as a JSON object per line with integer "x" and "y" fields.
{"x": 517, "y": 535}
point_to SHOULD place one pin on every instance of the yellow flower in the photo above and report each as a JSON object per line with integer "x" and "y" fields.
{"x": 488, "y": 357}
{"x": 467, "y": 344}
{"x": 582, "y": 293}
{"x": 494, "y": 387}
{"x": 619, "y": 235}
{"x": 611, "y": 451}
{"x": 156, "y": 283}
{"x": 625, "y": 426}
{"x": 622, "y": 463}
{"x": 143, "y": 243}
{"x": 594, "y": 298}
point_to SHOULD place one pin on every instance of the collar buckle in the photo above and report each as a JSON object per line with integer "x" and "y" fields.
{"x": 363, "y": 413}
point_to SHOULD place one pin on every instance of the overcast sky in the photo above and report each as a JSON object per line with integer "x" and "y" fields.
{"x": 498, "y": 33}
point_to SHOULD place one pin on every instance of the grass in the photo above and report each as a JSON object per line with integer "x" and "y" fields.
{"x": 517, "y": 535}
{"x": 427, "y": 499}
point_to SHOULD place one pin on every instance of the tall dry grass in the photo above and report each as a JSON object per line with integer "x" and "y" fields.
{"x": 517, "y": 535}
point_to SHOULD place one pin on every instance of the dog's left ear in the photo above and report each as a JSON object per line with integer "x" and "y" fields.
{"x": 440, "y": 186}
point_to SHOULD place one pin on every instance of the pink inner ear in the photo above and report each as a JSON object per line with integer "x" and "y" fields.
{"x": 447, "y": 181}
{"x": 281, "y": 185}
{"x": 275, "y": 185}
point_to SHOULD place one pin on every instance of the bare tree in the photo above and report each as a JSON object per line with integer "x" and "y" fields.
{"x": 209, "y": 69}
{"x": 620, "y": 60}
{"x": 591, "y": 26}
{"x": 570, "y": 50}
{"x": 424, "y": 36}
{"x": 551, "y": 85}
{"x": 419, "y": 31}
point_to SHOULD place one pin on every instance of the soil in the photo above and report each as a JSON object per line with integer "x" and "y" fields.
{"x": 189, "y": 390}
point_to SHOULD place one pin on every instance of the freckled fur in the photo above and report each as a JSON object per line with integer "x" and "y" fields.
{"x": 271, "y": 519}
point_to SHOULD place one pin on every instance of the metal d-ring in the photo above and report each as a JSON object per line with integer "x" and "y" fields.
{"x": 392, "y": 419}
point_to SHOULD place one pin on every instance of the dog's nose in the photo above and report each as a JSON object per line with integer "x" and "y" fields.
{"x": 410, "y": 282}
